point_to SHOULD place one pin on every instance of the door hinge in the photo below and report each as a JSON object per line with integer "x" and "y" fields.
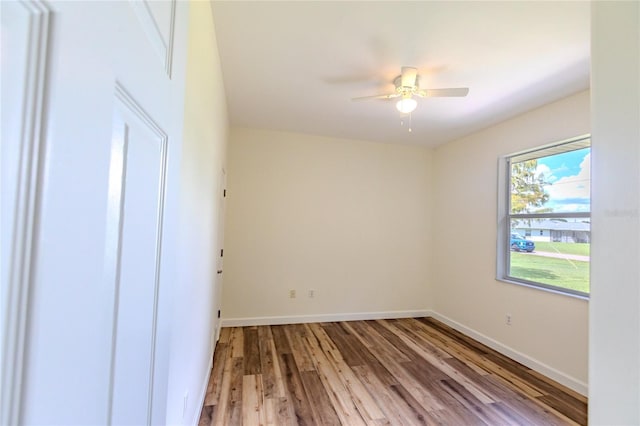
{"x": 218, "y": 313}
{"x": 224, "y": 193}
{"x": 221, "y": 252}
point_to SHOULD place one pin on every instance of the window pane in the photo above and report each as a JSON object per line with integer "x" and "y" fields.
{"x": 556, "y": 253}
{"x": 558, "y": 183}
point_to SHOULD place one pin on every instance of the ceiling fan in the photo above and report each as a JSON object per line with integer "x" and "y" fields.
{"x": 407, "y": 86}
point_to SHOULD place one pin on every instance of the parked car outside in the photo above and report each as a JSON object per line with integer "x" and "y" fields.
{"x": 520, "y": 243}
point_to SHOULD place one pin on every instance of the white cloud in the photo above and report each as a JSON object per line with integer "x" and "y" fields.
{"x": 544, "y": 170}
{"x": 573, "y": 187}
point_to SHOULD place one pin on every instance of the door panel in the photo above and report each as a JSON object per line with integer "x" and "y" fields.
{"x": 136, "y": 191}
{"x": 157, "y": 18}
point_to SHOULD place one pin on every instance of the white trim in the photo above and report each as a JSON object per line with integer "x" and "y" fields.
{"x": 560, "y": 377}
{"x": 549, "y": 146}
{"x": 203, "y": 393}
{"x": 23, "y": 251}
{"x": 502, "y": 230}
{"x": 550, "y": 289}
{"x": 301, "y": 319}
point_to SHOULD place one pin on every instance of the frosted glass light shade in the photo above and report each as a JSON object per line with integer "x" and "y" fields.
{"x": 406, "y": 105}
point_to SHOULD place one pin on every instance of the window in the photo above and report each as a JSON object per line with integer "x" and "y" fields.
{"x": 546, "y": 190}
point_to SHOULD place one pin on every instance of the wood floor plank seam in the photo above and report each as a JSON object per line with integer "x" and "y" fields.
{"x": 408, "y": 371}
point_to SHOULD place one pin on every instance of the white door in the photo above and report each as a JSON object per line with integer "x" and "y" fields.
{"x": 100, "y": 149}
{"x": 217, "y": 292}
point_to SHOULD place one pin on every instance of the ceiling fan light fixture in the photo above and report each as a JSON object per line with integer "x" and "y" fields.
{"x": 406, "y": 105}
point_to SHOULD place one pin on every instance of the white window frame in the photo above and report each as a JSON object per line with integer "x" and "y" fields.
{"x": 505, "y": 216}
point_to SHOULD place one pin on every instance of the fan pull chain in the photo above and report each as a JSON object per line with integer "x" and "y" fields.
{"x": 402, "y": 122}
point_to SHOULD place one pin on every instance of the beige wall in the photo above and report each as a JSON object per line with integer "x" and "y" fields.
{"x": 202, "y": 160}
{"x": 360, "y": 223}
{"x": 347, "y": 219}
{"x": 549, "y": 328}
{"x": 614, "y": 338}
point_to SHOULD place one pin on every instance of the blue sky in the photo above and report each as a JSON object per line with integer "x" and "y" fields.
{"x": 569, "y": 175}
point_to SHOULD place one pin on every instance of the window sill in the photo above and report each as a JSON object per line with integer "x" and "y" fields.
{"x": 546, "y": 289}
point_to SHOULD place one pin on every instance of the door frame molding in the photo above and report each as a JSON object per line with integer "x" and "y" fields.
{"x": 22, "y": 257}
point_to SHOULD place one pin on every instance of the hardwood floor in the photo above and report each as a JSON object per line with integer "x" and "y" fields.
{"x": 385, "y": 372}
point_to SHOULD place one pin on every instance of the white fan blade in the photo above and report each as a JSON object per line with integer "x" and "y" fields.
{"x": 450, "y": 92}
{"x": 365, "y": 98}
{"x": 408, "y": 78}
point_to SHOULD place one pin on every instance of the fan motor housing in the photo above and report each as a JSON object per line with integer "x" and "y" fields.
{"x": 400, "y": 89}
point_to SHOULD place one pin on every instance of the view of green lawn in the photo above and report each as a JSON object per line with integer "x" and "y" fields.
{"x": 564, "y": 248}
{"x": 570, "y": 274}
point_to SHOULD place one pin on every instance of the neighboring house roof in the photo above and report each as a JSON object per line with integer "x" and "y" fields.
{"x": 554, "y": 225}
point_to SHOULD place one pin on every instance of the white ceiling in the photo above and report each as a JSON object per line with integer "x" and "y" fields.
{"x": 294, "y": 66}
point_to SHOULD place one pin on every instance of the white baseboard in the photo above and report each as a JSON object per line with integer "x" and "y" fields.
{"x": 560, "y": 377}
{"x": 301, "y": 319}
{"x": 203, "y": 394}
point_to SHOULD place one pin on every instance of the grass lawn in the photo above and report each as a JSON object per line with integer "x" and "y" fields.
{"x": 564, "y": 248}
{"x": 557, "y": 272}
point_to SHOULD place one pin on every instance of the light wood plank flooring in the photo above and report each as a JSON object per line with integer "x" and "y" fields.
{"x": 385, "y": 372}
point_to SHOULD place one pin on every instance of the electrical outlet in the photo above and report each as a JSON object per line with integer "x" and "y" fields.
{"x": 508, "y": 319}
{"x": 292, "y": 294}
{"x": 312, "y": 294}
